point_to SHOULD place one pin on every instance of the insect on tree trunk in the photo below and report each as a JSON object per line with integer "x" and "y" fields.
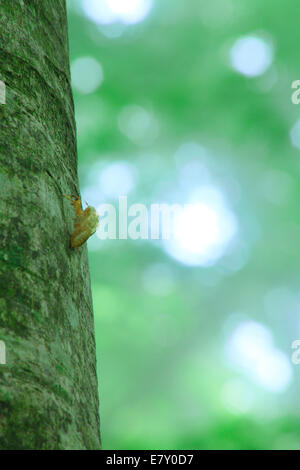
{"x": 48, "y": 383}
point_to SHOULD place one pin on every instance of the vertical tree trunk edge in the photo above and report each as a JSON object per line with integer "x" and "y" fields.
{"x": 48, "y": 381}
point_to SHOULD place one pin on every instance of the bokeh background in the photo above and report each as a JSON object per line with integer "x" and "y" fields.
{"x": 188, "y": 101}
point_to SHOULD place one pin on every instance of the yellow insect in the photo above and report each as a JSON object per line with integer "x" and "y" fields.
{"x": 86, "y": 222}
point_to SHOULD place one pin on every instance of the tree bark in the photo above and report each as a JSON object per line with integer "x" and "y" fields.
{"x": 48, "y": 386}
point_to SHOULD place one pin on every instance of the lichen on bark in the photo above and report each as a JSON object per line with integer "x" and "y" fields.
{"x": 48, "y": 386}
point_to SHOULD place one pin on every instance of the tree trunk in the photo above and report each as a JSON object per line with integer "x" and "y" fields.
{"x": 48, "y": 385}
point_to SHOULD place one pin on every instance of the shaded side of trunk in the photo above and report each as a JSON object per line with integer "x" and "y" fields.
{"x": 48, "y": 386}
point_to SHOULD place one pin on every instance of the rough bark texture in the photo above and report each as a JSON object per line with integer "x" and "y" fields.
{"x": 48, "y": 387}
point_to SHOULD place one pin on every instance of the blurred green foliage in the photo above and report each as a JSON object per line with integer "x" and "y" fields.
{"x": 165, "y": 378}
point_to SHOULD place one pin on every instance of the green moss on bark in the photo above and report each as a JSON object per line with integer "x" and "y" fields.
{"x": 48, "y": 388}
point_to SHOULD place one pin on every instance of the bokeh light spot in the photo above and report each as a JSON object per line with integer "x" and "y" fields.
{"x": 87, "y": 74}
{"x": 251, "y": 348}
{"x": 251, "y": 56}
{"x": 237, "y": 397}
{"x": 130, "y": 11}
{"x": 117, "y": 179}
{"x": 112, "y": 11}
{"x": 203, "y": 229}
{"x": 137, "y": 124}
